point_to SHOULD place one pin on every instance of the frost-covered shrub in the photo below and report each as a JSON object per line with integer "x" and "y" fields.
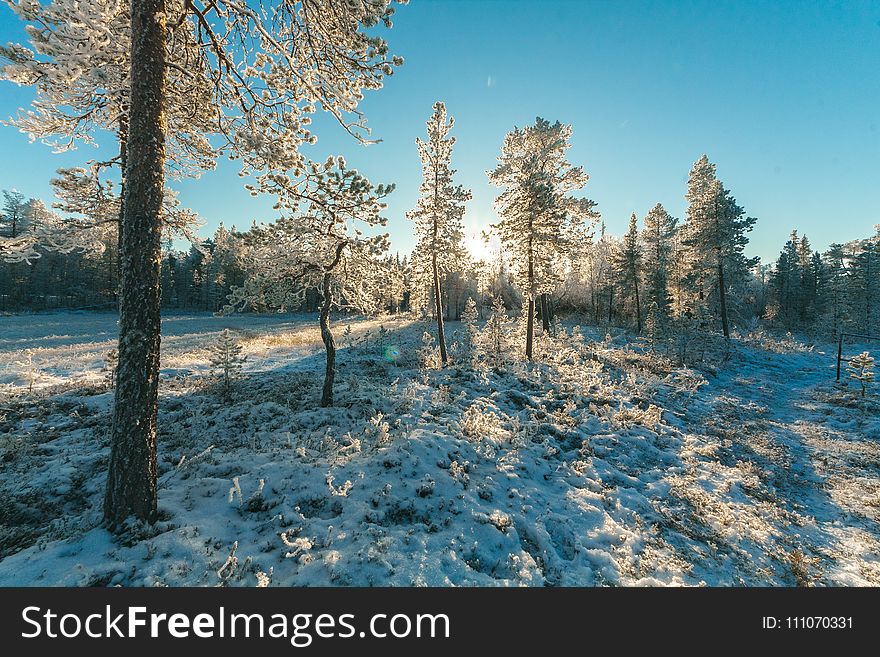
{"x": 695, "y": 343}
{"x": 624, "y": 417}
{"x": 110, "y": 362}
{"x": 379, "y": 430}
{"x": 346, "y": 334}
{"x": 494, "y": 340}
{"x": 861, "y": 369}
{"x": 300, "y": 546}
{"x": 786, "y": 344}
{"x": 429, "y": 353}
{"x": 479, "y": 423}
{"x": 32, "y": 371}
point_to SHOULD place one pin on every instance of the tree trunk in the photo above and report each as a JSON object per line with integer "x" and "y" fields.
{"x": 545, "y": 313}
{"x": 610, "y": 303}
{"x": 722, "y": 299}
{"x": 638, "y": 310}
{"x": 530, "y": 320}
{"x": 530, "y": 328}
{"x": 131, "y": 480}
{"x": 123, "y": 165}
{"x": 329, "y": 342}
{"x": 438, "y": 310}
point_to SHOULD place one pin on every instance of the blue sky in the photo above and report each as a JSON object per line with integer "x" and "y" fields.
{"x": 783, "y": 96}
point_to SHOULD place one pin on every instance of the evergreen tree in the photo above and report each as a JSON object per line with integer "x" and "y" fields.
{"x": 627, "y": 264}
{"x": 715, "y": 237}
{"x": 837, "y": 308}
{"x": 320, "y": 245}
{"x": 261, "y": 105}
{"x": 658, "y": 236}
{"x": 438, "y": 213}
{"x": 12, "y": 214}
{"x": 538, "y": 212}
{"x": 807, "y": 300}
{"x": 861, "y": 368}
{"x": 226, "y": 360}
{"x": 864, "y": 285}
{"x": 787, "y": 283}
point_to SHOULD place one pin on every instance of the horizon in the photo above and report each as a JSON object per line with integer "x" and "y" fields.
{"x": 786, "y": 109}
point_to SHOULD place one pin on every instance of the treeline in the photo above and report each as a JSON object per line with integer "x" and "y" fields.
{"x": 829, "y": 293}
{"x": 648, "y": 280}
{"x": 200, "y": 278}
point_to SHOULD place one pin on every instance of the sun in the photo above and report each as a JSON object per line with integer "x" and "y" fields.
{"x": 477, "y": 248}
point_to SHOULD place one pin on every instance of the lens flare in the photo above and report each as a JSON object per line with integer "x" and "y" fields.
{"x": 392, "y": 353}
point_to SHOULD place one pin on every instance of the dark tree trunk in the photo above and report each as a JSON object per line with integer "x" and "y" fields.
{"x": 122, "y": 136}
{"x": 131, "y": 480}
{"x": 610, "y": 303}
{"x": 438, "y": 309}
{"x": 530, "y": 320}
{"x": 545, "y": 313}
{"x": 329, "y": 342}
{"x": 530, "y": 327}
{"x": 638, "y": 309}
{"x": 722, "y": 299}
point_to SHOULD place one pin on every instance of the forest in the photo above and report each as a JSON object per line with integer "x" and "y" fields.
{"x": 292, "y": 400}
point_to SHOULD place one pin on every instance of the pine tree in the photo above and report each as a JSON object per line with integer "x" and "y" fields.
{"x": 627, "y": 264}
{"x": 12, "y": 221}
{"x": 538, "y": 212}
{"x": 659, "y": 233}
{"x": 438, "y": 213}
{"x": 807, "y": 301}
{"x": 319, "y": 244}
{"x": 261, "y": 106}
{"x": 864, "y": 285}
{"x": 715, "y": 237}
{"x": 837, "y": 309}
{"x": 786, "y": 283}
{"x": 493, "y": 336}
{"x": 469, "y": 318}
{"x": 861, "y": 368}
{"x": 131, "y": 480}
{"x": 226, "y": 360}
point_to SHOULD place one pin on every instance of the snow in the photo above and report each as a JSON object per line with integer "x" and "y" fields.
{"x": 598, "y": 465}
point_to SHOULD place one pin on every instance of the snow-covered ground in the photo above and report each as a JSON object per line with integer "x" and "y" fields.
{"x": 598, "y": 465}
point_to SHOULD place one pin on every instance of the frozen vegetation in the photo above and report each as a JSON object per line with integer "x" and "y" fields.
{"x": 601, "y": 463}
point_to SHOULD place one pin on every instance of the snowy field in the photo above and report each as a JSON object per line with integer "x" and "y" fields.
{"x": 598, "y": 465}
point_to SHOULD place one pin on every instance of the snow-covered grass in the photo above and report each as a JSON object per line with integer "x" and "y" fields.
{"x": 598, "y": 465}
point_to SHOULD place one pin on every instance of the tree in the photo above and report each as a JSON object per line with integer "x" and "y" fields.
{"x": 439, "y": 211}
{"x": 864, "y": 285}
{"x": 861, "y": 368}
{"x": 537, "y": 211}
{"x": 787, "y": 282}
{"x": 320, "y": 245}
{"x": 269, "y": 69}
{"x": 658, "y": 236}
{"x": 837, "y": 289}
{"x": 627, "y": 264}
{"x": 12, "y": 214}
{"x": 715, "y": 237}
{"x": 79, "y": 64}
{"x": 226, "y": 360}
{"x": 131, "y": 478}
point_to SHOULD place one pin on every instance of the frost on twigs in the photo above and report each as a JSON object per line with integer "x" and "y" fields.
{"x": 338, "y": 491}
{"x": 300, "y": 547}
{"x": 228, "y": 568}
{"x": 264, "y": 579}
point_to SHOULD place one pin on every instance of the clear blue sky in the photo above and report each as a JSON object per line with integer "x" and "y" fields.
{"x": 783, "y": 96}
